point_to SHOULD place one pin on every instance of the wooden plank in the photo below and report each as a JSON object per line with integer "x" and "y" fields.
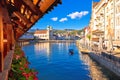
{"x": 20, "y": 24}
{"x": 9, "y": 27}
{"x": 19, "y": 32}
{"x": 20, "y": 16}
{"x": 13, "y": 37}
{"x": 38, "y": 2}
{"x": 45, "y": 5}
{"x": 6, "y": 37}
{"x": 4, "y": 75}
{"x": 6, "y": 31}
{"x": 1, "y": 40}
{"x": 31, "y": 6}
{"x": 8, "y": 60}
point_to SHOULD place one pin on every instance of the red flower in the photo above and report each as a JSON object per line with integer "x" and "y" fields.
{"x": 17, "y": 57}
{"x": 35, "y": 78}
{"x": 26, "y": 75}
{"x": 21, "y": 68}
{"x": 26, "y": 65}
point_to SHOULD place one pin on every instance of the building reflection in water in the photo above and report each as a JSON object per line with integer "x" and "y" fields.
{"x": 95, "y": 71}
{"x": 41, "y": 48}
{"x": 67, "y": 46}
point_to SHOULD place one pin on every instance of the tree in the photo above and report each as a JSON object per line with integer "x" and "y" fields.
{"x": 89, "y": 37}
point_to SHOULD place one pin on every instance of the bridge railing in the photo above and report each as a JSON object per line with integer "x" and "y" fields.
{"x": 7, "y": 65}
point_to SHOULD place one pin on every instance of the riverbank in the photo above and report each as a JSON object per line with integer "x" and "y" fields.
{"x": 113, "y": 66}
{"x": 27, "y": 42}
{"x": 57, "y": 41}
{"x": 110, "y": 61}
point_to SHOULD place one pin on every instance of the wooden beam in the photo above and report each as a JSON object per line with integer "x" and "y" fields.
{"x": 19, "y": 32}
{"x": 34, "y": 18}
{"x": 6, "y": 39}
{"x": 1, "y": 40}
{"x": 10, "y": 35}
{"x": 20, "y": 16}
{"x": 6, "y": 20}
{"x": 32, "y": 7}
{"x": 38, "y": 3}
{"x": 20, "y": 24}
{"x": 45, "y": 5}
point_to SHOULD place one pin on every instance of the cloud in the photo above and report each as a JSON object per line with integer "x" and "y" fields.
{"x": 63, "y": 19}
{"x": 54, "y": 18}
{"x": 77, "y": 14}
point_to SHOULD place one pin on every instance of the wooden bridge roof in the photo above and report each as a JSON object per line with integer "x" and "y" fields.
{"x": 25, "y": 13}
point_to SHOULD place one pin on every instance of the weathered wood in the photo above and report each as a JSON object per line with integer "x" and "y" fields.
{"x": 10, "y": 34}
{"x": 31, "y": 6}
{"x": 6, "y": 21}
{"x": 44, "y": 5}
{"x": 7, "y": 65}
{"x": 37, "y": 4}
{"x": 1, "y": 40}
{"x": 19, "y": 32}
{"x": 6, "y": 40}
{"x": 20, "y": 16}
{"x": 20, "y": 24}
{"x": 4, "y": 75}
{"x": 8, "y": 60}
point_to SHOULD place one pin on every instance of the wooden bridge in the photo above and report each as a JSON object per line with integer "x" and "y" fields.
{"x": 17, "y": 17}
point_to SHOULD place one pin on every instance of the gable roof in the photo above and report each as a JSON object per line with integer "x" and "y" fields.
{"x": 40, "y": 32}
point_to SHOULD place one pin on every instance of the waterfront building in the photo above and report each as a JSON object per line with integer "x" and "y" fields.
{"x": 97, "y": 23}
{"x": 44, "y": 34}
{"x": 104, "y": 23}
{"x": 117, "y": 22}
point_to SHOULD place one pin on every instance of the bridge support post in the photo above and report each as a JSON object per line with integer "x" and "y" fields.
{"x": 1, "y": 40}
{"x": 10, "y": 36}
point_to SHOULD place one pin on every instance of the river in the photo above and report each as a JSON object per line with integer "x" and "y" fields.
{"x": 54, "y": 62}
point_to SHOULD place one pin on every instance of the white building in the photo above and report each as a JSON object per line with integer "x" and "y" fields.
{"x": 44, "y": 34}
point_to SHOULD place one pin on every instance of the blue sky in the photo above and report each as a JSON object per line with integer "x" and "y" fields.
{"x": 71, "y": 14}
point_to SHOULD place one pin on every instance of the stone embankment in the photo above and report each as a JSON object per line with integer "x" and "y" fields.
{"x": 109, "y": 61}
{"x": 106, "y": 59}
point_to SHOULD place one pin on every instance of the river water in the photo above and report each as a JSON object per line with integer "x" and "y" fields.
{"x": 54, "y": 62}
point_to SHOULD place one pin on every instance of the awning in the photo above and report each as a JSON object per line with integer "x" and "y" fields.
{"x": 95, "y": 39}
{"x": 97, "y": 32}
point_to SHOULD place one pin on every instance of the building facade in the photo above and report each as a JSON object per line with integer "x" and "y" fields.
{"x": 44, "y": 34}
{"x": 105, "y": 22}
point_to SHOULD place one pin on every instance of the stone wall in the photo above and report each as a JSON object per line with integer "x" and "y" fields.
{"x": 109, "y": 64}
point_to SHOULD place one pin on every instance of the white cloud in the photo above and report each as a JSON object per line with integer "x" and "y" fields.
{"x": 63, "y": 19}
{"x": 77, "y": 14}
{"x": 54, "y": 18}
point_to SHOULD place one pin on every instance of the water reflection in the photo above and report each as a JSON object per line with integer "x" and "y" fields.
{"x": 53, "y": 62}
{"x": 42, "y": 48}
{"x": 97, "y": 71}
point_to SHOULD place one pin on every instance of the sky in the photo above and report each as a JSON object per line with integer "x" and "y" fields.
{"x": 71, "y": 14}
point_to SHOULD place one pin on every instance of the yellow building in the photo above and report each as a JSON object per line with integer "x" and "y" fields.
{"x": 97, "y": 23}
{"x": 105, "y": 23}
{"x": 117, "y": 20}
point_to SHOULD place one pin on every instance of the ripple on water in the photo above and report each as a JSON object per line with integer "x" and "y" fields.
{"x": 53, "y": 61}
